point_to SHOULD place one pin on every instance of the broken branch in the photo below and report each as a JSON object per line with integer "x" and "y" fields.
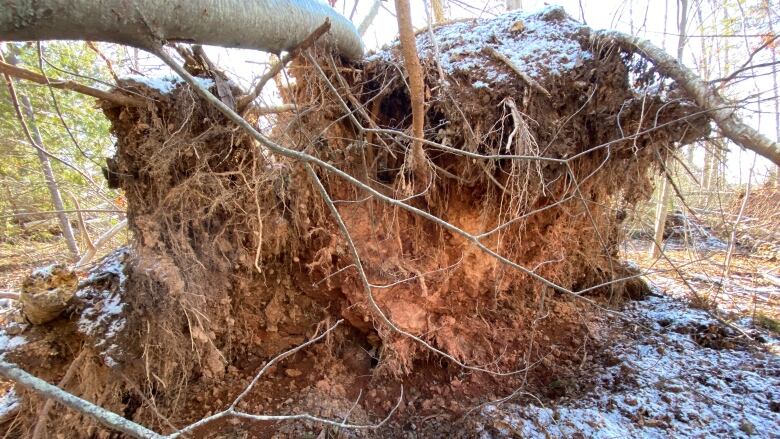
{"x": 116, "y": 98}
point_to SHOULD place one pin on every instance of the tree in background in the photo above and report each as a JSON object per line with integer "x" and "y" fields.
{"x": 47, "y": 182}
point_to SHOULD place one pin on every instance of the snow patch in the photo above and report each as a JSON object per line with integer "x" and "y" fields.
{"x": 103, "y": 318}
{"x": 45, "y": 271}
{"x": 10, "y": 342}
{"x": 536, "y": 43}
{"x": 664, "y": 385}
{"x": 9, "y": 404}
{"x": 166, "y": 84}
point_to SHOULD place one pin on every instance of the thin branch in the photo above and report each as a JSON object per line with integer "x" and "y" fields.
{"x": 232, "y": 412}
{"x": 39, "y": 432}
{"x": 283, "y": 61}
{"x": 117, "y": 98}
{"x": 102, "y": 240}
{"x": 524, "y": 76}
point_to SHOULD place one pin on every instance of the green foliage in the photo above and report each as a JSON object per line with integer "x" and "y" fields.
{"x": 767, "y": 322}
{"x": 22, "y": 185}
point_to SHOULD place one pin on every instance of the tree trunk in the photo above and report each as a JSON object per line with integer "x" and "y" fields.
{"x": 722, "y": 112}
{"x": 51, "y": 182}
{"x": 268, "y": 25}
{"x": 769, "y": 14}
{"x": 369, "y": 19}
{"x": 663, "y": 199}
{"x": 416, "y": 85}
{"x": 438, "y": 11}
{"x": 511, "y": 5}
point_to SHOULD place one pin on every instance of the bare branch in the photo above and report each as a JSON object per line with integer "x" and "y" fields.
{"x": 105, "y": 417}
{"x": 283, "y": 61}
{"x": 117, "y": 98}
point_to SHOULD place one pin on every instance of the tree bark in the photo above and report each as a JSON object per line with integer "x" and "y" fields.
{"x": 438, "y": 11}
{"x": 663, "y": 200}
{"x": 268, "y": 25}
{"x": 51, "y": 182}
{"x": 416, "y": 85}
{"x": 117, "y": 98}
{"x": 369, "y": 19}
{"x": 105, "y": 417}
{"x": 769, "y": 14}
{"x": 511, "y": 5}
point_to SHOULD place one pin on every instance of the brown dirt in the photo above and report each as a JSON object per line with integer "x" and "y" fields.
{"x": 236, "y": 257}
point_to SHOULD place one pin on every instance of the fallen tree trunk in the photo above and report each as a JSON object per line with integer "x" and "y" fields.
{"x": 721, "y": 111}
{"x": 268, "y": 25}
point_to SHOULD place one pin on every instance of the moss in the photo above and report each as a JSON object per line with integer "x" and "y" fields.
{"x": 769, "y": 323}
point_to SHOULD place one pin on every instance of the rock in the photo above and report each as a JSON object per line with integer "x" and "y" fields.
{"x": 747, "y": 427}
{"x": 292, "y": 373}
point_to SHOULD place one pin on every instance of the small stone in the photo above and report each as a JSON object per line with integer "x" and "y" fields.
{"x": 517, "y": 26}
{"x": 747, "y": 427}
{"x": 292, "y": 373}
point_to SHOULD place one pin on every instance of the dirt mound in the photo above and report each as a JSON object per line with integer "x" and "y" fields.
{"x": 537, "y": 142}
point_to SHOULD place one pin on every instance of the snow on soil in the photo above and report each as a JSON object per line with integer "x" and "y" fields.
{"x": 167, "y": 83}
{"x": 536, "y": 43}
{"x": 9, "y": 404}
{"x": 662, "y": 384}
{"x": 103, "y": 319}
{"x": 10, "y": 342}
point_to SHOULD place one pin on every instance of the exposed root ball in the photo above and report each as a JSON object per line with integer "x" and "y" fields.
{"x": 537, "y": 143}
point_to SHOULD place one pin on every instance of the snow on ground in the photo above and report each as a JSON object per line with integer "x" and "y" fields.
{"x": 662, "y": 383}
{"x": 10, "y": 342}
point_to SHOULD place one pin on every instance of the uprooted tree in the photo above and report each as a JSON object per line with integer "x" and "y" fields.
{"x": 477, "y": 272}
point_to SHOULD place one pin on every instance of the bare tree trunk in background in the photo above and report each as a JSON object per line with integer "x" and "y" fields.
{"x": 704, "y": 71}
{"x": 511, "y": 5}
{"x": 48, "y": 173}
{"x": 51, "y": 182}
{"x": 662, "y": 207}
{"x": 769, "y": 14}
{"x": 372, "y": 13}
{"x": 438, "y": 11}
{"x": 416, "y": 85}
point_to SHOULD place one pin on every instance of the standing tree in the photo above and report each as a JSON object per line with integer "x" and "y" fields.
{"x": 664, "y": 197}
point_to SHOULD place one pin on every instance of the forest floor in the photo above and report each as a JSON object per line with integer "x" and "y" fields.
{"x": 672, "y": 370}
{"x": 669, "y": 368}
